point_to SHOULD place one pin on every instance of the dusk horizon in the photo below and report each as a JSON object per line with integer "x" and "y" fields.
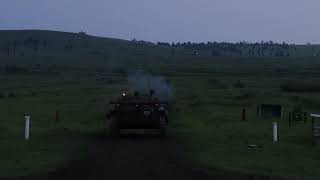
{"x": 171, "y": 21}
{"x": 131, "y": 39}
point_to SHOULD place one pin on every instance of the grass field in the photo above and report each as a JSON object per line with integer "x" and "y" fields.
{"x": 206, "y": 117}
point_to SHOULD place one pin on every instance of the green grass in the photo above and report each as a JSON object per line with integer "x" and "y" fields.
{"x": 211, "y": 127}
{"x": 206, "y": 117}
{"x": 219, "y": 139}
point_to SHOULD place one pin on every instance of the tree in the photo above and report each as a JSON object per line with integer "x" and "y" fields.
{"x": 68, "y": 46}
{"x": 240, "y": 52}
{"x": 215, "y": 52}
{"x": 82, "y": 34}
{"x": 8, "y": 48}
{"x": 163, "y": 44}
{"x": 173, "y": 51}
{"x": 35, "y": 45}
{"x": 44, "y": 43}
{"x": 15, "y": 45}
{"x": 27, "y": 41}
{"x": 259, "y": 52}
{"x": 281, "y": 53}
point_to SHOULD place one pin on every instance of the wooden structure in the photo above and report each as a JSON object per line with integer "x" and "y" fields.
{"x": 315, "y": 118}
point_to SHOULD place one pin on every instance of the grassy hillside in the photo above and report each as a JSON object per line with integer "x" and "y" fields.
{"x": 40, "y": 43}
{"x": 51, "y": 43}
{"x": 206, "y": 118}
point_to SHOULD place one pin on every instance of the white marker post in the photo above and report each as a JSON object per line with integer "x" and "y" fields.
{"x": 275, "y": 132}
{"x": 27, "y": 127}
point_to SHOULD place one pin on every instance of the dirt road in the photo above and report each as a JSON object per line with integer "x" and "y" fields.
{"x": 131, "y": 157}
{"x": 137, "y": 158}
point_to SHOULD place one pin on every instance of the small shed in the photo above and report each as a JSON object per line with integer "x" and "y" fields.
{"x": 265, "y": 111}
{"x": 315, "y": 119}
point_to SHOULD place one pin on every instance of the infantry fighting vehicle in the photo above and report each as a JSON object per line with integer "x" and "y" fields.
{"x": 137, "y": 111}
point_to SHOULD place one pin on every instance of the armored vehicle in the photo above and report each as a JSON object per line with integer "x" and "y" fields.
{"x": 138, "y": 112}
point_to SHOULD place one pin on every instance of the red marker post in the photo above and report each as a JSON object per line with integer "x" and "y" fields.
{"x": 243, "y": 115}
{"x": 57, "y": 116}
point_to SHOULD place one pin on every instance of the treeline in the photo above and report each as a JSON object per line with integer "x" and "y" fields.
{"x": 65, "y": 43}
{"x": 13, "y": 69}
{"x": 263, "y": 48}
{"x": 13, "y": 48}
{"x": 268, "y": 48}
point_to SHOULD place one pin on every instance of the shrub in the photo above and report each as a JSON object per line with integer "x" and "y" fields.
{"x": 33, "y": 94}
{"x": 215, "y": 83}
{"x": 110, "y": 81}
{"x": 15, "y": 69}
{"x": 120, "y": 70}
{"x": 12, "y": 95}
{"x": 300, "y": 86}
{"x": 247, "y": 95}
{"x": 239, "y": 84}
{"x": 212, "y": 81}
{"x": 297, "y": 109}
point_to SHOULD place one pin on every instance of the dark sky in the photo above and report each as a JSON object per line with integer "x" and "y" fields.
{"x": 293, "y": 21}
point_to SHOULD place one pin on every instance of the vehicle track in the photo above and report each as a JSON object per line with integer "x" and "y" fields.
{"x": 131, "y": 157}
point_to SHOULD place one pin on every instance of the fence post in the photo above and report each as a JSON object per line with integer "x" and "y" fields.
{"x": 27, "y": 127}
{"x": 275, "y": 131}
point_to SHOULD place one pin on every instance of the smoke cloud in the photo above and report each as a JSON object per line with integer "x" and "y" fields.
{"x": 143, "y": 83}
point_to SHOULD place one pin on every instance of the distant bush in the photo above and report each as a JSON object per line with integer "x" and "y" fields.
{"x": 33, "y": 94}
{"x": 193, "y": 99}
{"x": 300, "y": 86}
{"x": 239, "y": 84}
{"x": 120, "y": 70}
{"x": 305, "y": 101}
{"x": 111, "y": 81}
{"x": 95, "y": 52}
{"x": 212, "y": 81}
{"x": 101, "y": 70}
{"x": 2, "y": 95}
{"x": 215, "y": 83}
{"x": 247, "y": 95}
{"x": 297, "y": 108}
{"x": 15, "y": 69}
{"x": 12, "y": 95}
